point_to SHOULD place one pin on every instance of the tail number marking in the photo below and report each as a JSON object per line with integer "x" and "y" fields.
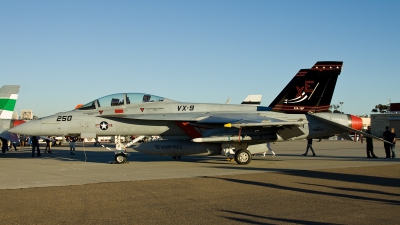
{"x": 64, "y": 118}
{"x": 185, "y": 108}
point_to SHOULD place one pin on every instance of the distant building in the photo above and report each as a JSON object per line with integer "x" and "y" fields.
{"x": 395, "y": 108}
{"x": 26, "y": 114}
{"x": 366, "y": 122}
{"x": 381, "y": 120}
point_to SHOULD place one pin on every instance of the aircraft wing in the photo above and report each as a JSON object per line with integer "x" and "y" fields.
{"x": 283, "y": 128}
{"x": 201, "y": 117}
{"x": 228, "y": 119}
{"x": 165, "y": 116}
{"x": 351, "y": 129}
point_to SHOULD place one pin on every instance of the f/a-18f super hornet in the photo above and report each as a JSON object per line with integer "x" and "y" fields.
{"x": 300, "y": 111}
{"x": 8, "y": 100}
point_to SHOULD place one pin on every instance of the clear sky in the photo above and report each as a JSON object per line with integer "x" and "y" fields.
{"x": 67, "y": 52}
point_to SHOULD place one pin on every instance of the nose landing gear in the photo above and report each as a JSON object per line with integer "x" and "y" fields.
{"x": 121, "y": 157}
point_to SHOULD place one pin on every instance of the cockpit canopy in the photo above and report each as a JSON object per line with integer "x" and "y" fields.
{"x": 123, "y": 99}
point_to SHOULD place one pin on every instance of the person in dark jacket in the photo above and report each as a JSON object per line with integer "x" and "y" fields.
{"x": 35, "y": 145}
{"x": 309, "y": 146}
{"x": 4, "y": 145}
{"x": 370, "y": 145}
{"x": 387, "y": 136}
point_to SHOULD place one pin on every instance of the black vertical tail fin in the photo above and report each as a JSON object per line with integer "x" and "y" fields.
{"x": 310, "y": 90}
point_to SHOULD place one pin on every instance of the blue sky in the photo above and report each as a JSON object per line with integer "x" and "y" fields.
{"x": 67, "y": 52}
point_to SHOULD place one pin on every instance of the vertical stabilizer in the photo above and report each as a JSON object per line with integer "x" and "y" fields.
{"x": 8, "y": 99}
{"x": 310, "y": 90}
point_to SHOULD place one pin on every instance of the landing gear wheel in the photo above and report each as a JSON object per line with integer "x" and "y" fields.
{"x": 243, "y": 157}
{"x": 120, "y": 158}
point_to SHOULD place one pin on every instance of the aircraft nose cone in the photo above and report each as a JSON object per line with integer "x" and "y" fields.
{"x": 28, "y": 128}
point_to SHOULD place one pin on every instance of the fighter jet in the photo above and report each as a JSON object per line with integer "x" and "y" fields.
{"x": 237, "y": 131}
{"x": 8, "y": 100}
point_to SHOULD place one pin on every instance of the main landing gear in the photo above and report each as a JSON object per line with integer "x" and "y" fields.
{"x": 242, "y": 157}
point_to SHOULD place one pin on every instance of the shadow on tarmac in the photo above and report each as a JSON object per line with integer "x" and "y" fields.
{"x": 104, "y": 156}
{"x": 281, "y": 220}
{"x": 370, "y": 180}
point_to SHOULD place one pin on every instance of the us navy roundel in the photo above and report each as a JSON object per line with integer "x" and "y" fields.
{"x": 104, "y": 125}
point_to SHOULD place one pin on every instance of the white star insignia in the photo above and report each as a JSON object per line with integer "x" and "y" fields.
{"x": 103, "y": 125}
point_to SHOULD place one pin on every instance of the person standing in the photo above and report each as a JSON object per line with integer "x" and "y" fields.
{"x": 309, "y": 146}
{"x": 48, "y": 145}
{"x": 35, "y": 145}
{"x": 29, "y": 140}
{"x": 392, "y": 148}
{"x": 13, "y": 144}
{"x": 96, "y": 141}
{"x": 21, "y": 141}
{"x": 370, "y": 145}
{"x": 268, "y": 149}
{"x": 4, "y": 145}
{"x": 72, "y": 145}
{"x": 387, "y": 136}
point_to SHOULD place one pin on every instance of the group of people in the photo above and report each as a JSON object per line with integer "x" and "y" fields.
{"x": 49, "y": 141}
{"x": 5, "y": 144}
{"x": 34, "y": 143}
{"x": 390, "y": 143}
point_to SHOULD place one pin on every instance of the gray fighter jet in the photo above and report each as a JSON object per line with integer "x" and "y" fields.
{"x": 237, "y": 131}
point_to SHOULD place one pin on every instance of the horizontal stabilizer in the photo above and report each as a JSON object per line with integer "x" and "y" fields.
{"x": 346, "y": 128}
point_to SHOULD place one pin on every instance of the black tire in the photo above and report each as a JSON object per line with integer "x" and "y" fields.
{"x": 120, "y": 158}
{"x": 243, "y": 157}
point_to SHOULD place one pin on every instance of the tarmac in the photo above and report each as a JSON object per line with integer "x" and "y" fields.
{"x": 338, "y": 186}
